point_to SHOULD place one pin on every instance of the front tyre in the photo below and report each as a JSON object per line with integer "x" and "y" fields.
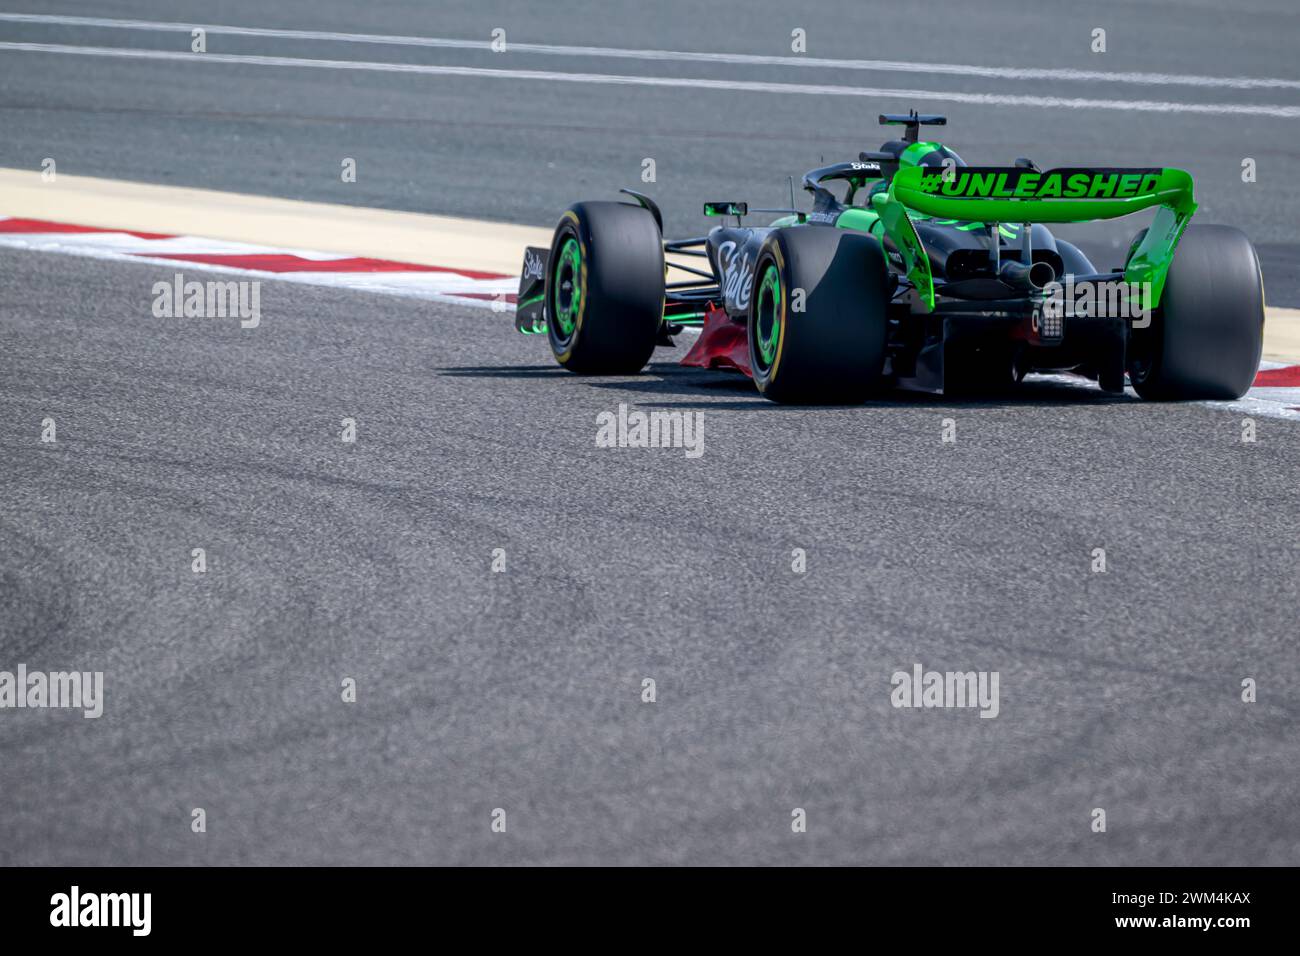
{"x": 605, "y": 288}
{"x": 1205, "y": 340}
{"x": 818, "y": 316}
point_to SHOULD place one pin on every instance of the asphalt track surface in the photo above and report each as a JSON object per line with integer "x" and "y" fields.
{"x": 522, "y": 690}
{"x": 522, "y": 150}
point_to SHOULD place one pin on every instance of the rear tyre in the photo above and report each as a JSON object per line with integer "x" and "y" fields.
{"x": 605, "y": 288}
{"x": 831, "y": 351}
{"x": 1205, "y": 339}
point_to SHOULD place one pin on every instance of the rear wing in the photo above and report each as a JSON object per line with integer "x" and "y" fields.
{"x": 1022, "y": 195}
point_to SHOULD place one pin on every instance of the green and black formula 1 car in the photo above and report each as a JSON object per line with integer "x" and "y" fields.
{"x": 912, "y": 269}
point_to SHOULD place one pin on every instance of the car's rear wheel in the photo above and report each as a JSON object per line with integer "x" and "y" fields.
{"x": 818, "y": 316}
{"x": 605, "y": 288}
{"x": 1206, "y": 337}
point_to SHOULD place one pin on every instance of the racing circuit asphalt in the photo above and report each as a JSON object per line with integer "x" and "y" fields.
{"x": 521, "y": 151}
{"x": 522, "y": 690}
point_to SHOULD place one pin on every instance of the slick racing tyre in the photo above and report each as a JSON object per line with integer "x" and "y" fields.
{"x": 1205, "y": 339}
{"x": 605, "y": 288}
{"x": 818, "y": 316}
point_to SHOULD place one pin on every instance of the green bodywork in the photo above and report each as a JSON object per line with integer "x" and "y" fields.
{"x": 971, "y": 198}
{"x": 1022, "y": 196}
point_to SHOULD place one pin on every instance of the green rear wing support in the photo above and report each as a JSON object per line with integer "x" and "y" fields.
{"x": 1019, "y": 194}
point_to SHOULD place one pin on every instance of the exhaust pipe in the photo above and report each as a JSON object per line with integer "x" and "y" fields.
{"x": 1035, "y": 276}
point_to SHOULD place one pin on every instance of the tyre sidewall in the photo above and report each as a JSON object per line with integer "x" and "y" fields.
{"x": 1207, "y": 336}
{"x": 833, "y": 350}
{"x": 622, "y": 288}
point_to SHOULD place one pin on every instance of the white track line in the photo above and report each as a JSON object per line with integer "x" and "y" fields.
{"x": 746, "y": 86}
{"x": 680, "y": 56}
{"x": 1259, "y": 400}
{"x": 436, "y": 287}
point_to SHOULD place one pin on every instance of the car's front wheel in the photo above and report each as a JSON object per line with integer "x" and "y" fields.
{"x": 605, "y": 288}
